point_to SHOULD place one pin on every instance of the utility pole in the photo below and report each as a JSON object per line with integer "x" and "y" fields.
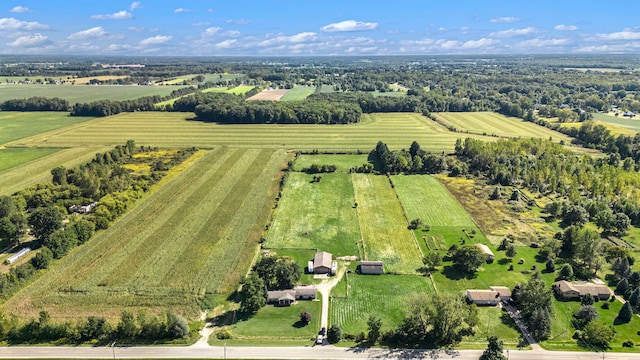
{"x": 225, "y": 350}
{"x": 113, "y": 348}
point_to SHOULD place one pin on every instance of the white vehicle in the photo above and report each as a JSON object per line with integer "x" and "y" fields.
{"x": 320, "y": 340}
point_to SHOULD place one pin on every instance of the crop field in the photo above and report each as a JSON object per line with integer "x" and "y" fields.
{"x": 383, "y": 225}
{"x": 316, "y": 215}
{"x": 423, "y": 197}
{"x": 299, "y": 93}
{"x": 269, "y": 95}
{"x": 17, "y": 156}
{"x": 343, "y": 162}
{"x": 17, "y": 125}
{"x": 83, "y": 93}
{"x": 39, "y": 170}
{"x": 398, "y": 130}
{"x": 496, "y": 124}
{"x": 625, "y": 122}
{"x": 179, "y": 243}
{"x": 384, "y": 296}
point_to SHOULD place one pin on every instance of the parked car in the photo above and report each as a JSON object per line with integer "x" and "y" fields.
{"x": 320, "y": 340}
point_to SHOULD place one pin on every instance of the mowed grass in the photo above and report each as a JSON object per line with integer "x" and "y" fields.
{"x": 632, "y": 124}
{"x": 384, "y": 296}
{"x": 298, "y": 93}
{"x": 343, "y": 162}
{"x": 83, "y": 93}
{"x": 424, "y": 197}
{"x": 195, "y": 234}
{"x": 162, "y": 129}
{"x": 39, "y": 170}
{"x": 12, "y": 157}
{"x": 316, "y": 215}
{"x": 18, "y": 125}
{"x": 281, "y": 323}
{"x": 383, "y": 225}
{"x": 491, "y": 123}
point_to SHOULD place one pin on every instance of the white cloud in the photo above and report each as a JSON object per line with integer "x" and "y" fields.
{"x": 563, "y": 27}
{"x": 201, "y": 23}
{"x": 120, "y": 15}
{"x": 212, "y": 31}
{"x": 620, "y": 35}
{"x": 225, "y": 44}
{"x": 27, "y": 41}
{"x": 350, "y": 25}
{"x": 156, "y": 40}
{"x": 478, "y": 44}
{"x": 513, "y": 32}
{"x": 543, "y": 42}
{"x": 136, "y": 28}
{"x": 238, "y": 21}
{"x": 181, "y": 10}
{"x": 20, "y": 9}
{"x": 93, "y": 33}
{"x": 506, "y": 19}
{"x": 297, "y": 38}
{"x": 11, "y": 24}
{"x": 135, "y": 5}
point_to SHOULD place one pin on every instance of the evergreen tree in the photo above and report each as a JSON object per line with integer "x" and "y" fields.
{"x": 334, "y": 334}
{"x": 494, "y": 350}
{"x": 540, "y": 324}
{"x": 626, "y": 313}
{"x": 374, "y": 324}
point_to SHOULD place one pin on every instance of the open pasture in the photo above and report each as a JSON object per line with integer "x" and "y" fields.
{"x": 17, "y": 156}
{"x": 383, "y": 225}
{"x": 298, "y": 93}
{"x": 269, "y": 95}
{"x": 384, "y": 296}
{"x": 343, "y": 162}
{"x": 632, "y": 124}
{"x": 17, "y": 125}
{"x": 83, "y": 93}
{"x": 491, "y": 123}
{"x": 162, "y": 129}
{"x": 182, "y": 241}
{"x": 39, "y": 170}
{"x": 318, "y": 215}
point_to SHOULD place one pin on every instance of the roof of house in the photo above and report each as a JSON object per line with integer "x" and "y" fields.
{"x": 322, "y": 259}
{"x": 282, "y": 294}
{"x": 483, "y": 295}
{"x": 305, "y": 290}
{"x": 583, "y": 288}
{"x": 502, "y": 290}
{"x": 485, "y": 249}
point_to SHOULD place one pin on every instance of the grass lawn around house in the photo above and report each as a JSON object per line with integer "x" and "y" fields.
{"x": 316, "y": 215}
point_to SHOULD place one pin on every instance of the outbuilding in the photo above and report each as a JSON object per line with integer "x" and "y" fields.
{"x": 371, "y": 267}
{"x": 322, "y": 263}
{"x": 486, "y": 251}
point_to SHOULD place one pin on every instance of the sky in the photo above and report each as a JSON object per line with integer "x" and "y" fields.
{"x": 318, "y": 28}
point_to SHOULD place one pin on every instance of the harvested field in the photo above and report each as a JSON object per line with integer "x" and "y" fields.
{"x": 179, "y": 243}
{"x": 299, "y": 93}
{"x": 269, "y": 95}
{"x": 17, "y": 125}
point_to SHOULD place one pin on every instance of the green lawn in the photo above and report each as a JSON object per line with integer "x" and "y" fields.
{"x": 383, "y": 225}
{"x": 281, "y": 323}
{"x": 316, "y": 215}
{"x": 83, "y": 93}
{"x": 494, "y": 321}
{"x": 299, "y": 93}
{"x": 342, "y": 162}
{"x": 12, "y": 157}
{"x": 18, "y": 125}
{"x": 625, "y": 122}
{"x": 384, "y": 296}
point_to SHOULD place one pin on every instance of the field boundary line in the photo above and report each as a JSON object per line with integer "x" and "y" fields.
{"x": 361, "y": 242}
{"x": 406, "y": 217}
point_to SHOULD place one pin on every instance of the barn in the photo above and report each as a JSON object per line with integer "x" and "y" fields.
{"x": 371, "y": 267}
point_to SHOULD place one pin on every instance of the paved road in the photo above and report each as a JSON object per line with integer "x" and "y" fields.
{"x": 318, "y": 352}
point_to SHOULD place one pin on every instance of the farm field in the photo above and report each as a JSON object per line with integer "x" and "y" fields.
{"x": 39, "y": 170}
{"x": 383, "y": 225}
{"x": 83, "y": 93}
{"x": 176, "y": 246}
{"x": 627, "y": 123}
{"x": 269, "y": 95}
{"x": 17, "y": 125}
{"x": 298, "y": 93}
{"x": 398, "y": 130}
{"x": 496, "y": 124}
{"x": 17, "y": 156}
{"x": 384, "y": 296}
{"x": 316, "y": 215}
{"x": 614, "y": 129}
{"x": 343, "y": 162}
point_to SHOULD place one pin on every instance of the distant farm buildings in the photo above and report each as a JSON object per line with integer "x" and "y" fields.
{"x": 288, "y": 297}
{"x": 574, "y": 291}
{"x": 13, "y": 258}
{"x": 322, "y": 264}
{"x": 82, "y": 209}
{"x": 486, "y": 251}
{"x": 371, "y": 267}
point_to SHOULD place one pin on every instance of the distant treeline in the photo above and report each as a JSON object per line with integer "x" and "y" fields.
{"x": 108, "y": 107}
{"x": 35, "y": 104}
{"x": 370, "y": 104}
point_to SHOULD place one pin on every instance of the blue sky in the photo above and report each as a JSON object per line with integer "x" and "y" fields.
{"x": 323, "y": 27}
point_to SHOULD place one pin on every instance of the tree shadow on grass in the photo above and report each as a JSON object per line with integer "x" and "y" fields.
{"x": 299, "y": 324}
{"x": 454, "y": 274}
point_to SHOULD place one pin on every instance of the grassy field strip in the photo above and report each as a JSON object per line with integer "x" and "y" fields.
{"x": 343, "y": 162}
{"x": 39, "y": 170}
{"x": 384, "y": 228}
{"x": 18, "y": 125}
{"x": 53, "y": 291}
{"x": 397, "y": 130}
{"x": 385, "y": 296}
{"x": 494, "y": 123}
{"x": 624, "y": 122}
{"x": 83, "y": 93}
{"x": 316, "y": 215}
{"x": 177, "y": 230}
{"x": 299, "y": 93}
{"x": 13, "y": 157}
{"x": 423, "y": 197}
{"x": 232, "y": 254}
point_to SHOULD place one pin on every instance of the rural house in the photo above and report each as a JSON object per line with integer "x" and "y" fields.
{"x": 573, "y": 291}
{"x": 503, "y": 291}
{"x": 491, "y": 297}
{"x": 371, "y": 267}
{"x": 486, "y": 251}
{"x": 322, "y": 264}
{"x": 288, "y": 297}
